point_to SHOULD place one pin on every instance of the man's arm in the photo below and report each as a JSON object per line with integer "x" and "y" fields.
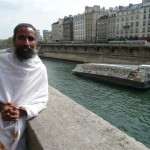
{"x": 22, "y": 112}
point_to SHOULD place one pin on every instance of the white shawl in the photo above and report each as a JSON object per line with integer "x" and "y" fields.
{"x": 25, "y": 85}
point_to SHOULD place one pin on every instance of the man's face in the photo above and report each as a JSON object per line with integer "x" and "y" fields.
{"x": 25, "y": 43}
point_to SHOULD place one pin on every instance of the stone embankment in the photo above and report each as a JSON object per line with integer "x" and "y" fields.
{"x": 66, "y": 125}
{"x": 98, "y": 53}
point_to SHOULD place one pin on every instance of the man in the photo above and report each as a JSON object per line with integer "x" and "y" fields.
{"x": 23, "y": 87}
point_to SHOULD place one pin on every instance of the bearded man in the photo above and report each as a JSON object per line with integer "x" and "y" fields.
{"x": 23, "y": 87}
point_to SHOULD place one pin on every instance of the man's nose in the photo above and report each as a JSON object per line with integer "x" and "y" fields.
{"x": 26, "y": 42}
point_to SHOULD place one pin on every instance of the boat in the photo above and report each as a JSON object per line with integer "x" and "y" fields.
{"x": 137, "y": 76}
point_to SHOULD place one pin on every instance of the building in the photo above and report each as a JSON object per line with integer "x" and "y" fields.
{"x": 111, "y": 26}
{"x": 102, "y": 27}
{"x": 146, "y": 20}
{"x": 79, "y": 27}
{"x": 47, "y": 36}
{"x": 68, "y": 28}
{"x": 57, "y": 30}
{"x": 129, "y": 21}
{"x": 38, "y": 36}
{"x": 92, "y": 14}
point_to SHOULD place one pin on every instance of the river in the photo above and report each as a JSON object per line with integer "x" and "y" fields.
{"x": 126, "y": 108}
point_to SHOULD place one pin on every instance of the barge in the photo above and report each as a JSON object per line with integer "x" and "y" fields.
{"x": 137, "y": 76}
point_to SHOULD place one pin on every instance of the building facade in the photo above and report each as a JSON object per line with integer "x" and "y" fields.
{"x": 68, "y": 28}
{"x": 92, "y": 14}
{"x": 129, "y": 22}
{"x": 57, "y": 30}
{"x": 79, "y": 27}
{"x": 111, "y": 27}
{"x": 102, "y": 29}
{"x": 38, "y": 36}
{"x": 47, "y": 36}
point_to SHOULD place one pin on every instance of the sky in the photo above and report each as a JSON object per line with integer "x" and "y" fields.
{"x": 43, "y": 13}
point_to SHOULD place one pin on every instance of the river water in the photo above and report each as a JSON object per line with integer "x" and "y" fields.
{"x": 126, "y": 108}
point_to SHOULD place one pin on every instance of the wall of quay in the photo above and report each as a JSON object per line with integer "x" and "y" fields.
{"x": 117, "y": 54}
{"x": 66, "y": 125}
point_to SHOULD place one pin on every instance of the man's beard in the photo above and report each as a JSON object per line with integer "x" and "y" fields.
{"x": 24, "y": 53}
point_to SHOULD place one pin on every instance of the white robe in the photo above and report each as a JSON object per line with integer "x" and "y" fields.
{"x": 25, "y": 85}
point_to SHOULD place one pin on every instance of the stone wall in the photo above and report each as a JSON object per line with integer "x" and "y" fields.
{"x": 97, "y": 53}
{"x": 66, "y": 125}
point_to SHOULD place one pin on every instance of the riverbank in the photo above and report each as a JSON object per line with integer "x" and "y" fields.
{"x": 115, "y": 54}
{"x": 66, "y": 125}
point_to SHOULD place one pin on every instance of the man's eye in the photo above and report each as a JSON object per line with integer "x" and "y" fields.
{"x": 31, "y": 38}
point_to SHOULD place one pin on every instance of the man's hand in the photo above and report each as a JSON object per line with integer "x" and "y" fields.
{"x": 10, "y": 112}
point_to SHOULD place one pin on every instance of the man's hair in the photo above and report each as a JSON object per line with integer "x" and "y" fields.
{"x": 20, "y": 26}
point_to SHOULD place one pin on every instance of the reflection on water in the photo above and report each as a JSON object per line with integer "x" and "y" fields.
{"x": 126, "y": 108}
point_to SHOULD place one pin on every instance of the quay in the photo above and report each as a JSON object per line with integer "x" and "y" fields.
{"x": 97, "y": 53}
{"x": 66, "y": 125}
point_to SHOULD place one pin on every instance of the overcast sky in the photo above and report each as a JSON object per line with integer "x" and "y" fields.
{"x": 42, "y": 13}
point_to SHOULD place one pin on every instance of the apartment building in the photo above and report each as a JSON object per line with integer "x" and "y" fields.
{"x": 92, "y": 14}
{"x": 67, "y": 28}
{"x": 146, "y": 20}
{"x": 79, "y": 27}
{"x": 129, "y": 21}
{"x": 123, "y": 22}
{"x": 38, "y": 36}
{"x": 111, "y": 26}
{"x": 47, "y": 36}
{"x": 102, "y": 28}
{"x": 57, "y": 30}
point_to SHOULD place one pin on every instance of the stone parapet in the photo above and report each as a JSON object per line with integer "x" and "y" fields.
{"x": 66, "y": 125}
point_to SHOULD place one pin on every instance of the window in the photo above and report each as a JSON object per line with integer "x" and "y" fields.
{"x": 137, "y": 23}
{"x": 131, "y": 24}
{"x": 117, "y": 26}
{"x": 132, "y": 11}
{"x": 144, "y": 22}
{"x": 132, "y": 17}
{"x": 126, "y": 24}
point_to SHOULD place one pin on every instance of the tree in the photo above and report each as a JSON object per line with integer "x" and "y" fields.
{"x": 9, "y": 40}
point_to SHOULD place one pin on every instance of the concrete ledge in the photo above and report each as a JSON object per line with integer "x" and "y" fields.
{"x": 66, "y": 125}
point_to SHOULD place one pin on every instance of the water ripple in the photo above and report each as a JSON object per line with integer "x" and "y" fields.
{"x": 126, "y": 108}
